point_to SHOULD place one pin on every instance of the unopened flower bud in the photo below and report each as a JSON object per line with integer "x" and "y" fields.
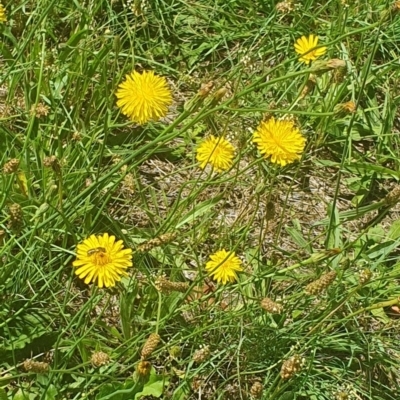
{"x": 345, "y": 108}
{"x": 291, "y": 367}
{"x": 35, "y": 366}
{"x": 164, "y": 285}
{"x": 256, "y": 390}
{"x": 321, "y": 284}
{"x": 269, "y": 305}
{"x": 11, "y": 166}
{"x": 393, "y": 196}
{"x": 150, "y": 345}
{"x": 143, "y": 369}
{"x": 205, "y": 89}
{"x": 201, "y": 355}
{"x": 53, "y": 163}
{"x": 158, "y": 241}
{"x": 99, "y": 358}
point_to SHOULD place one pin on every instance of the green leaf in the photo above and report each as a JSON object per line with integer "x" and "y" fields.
{"x": 20, "y": 395}
{"x": 380, "y": 314}
{"x": 296, "y": 313}
{"x": 376, "y": 233}
{"x": 288, "y": 396}
{"x": 394, "y": 231}
{"x": 51, "y": 393}
{"x": 155, "y": 389}
{"x": 3, "y": 394}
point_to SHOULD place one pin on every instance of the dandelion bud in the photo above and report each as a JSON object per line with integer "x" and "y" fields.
{"x": 150, "y": 345}
{"x": 393, "y": 197}
{"x": 35, "y": 366}
{"x": 285, "y": 7}
{"x": 201, "y": 355}
{"x": 269, "y": 305}
{"x": 321, "y": 284}
{"x": 256, "y": 390}
{"x": 99, "y": 358}
{"x": 336, "y": 63}
{"x": 205, "y": 89}
{"x": 143, "y": 369}
{"x": 53, "y": 163}
{"x": 16, "y": 217}
{"x": 11, "y": 166}
{"x": 158, "y": 241}
{"x": 325, "y": 66}
{"x": 164, "y": 285}
{"x": 345, "y": 108}
{"x": 309, "y": 86}
{"x": 219, "y": 94}
{"x": 364, "y": 276}
{"x": 291, "y": 367}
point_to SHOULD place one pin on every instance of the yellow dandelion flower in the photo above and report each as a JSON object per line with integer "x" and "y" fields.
{"x": 280, "y": 140}
{"x": 144, "y": 97}
{"x": 216, "y": 151}
{"x": 103, "y": 259}
{"x": 3, "y": 17}
{"x": 223, "y": 266}
{"x": 304, "y": 46}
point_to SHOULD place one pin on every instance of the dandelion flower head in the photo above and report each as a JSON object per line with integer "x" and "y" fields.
{"x": 218, "y": 152}
{"x": 3, "y": 17}
{"x": 304, "y": 46}
{"x": 102, "y": 259}
{"x": 280, "y": 140}
{"x": 144, "y": 97}
{"x": 223, "y": 266}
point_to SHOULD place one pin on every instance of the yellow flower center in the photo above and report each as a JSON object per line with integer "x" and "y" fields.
{"x": 147, "y": 93}
{"x": 100, "y": 258}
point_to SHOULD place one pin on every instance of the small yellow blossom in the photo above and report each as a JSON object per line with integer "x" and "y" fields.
{"x": 102, "y": 259}
{"x": 223, "y": 266}
{"x": 304, "y": 46}
{"x": 3, "y": 17}
{"x": 144, "y": 97}
{"x": 215, "y": 151}
{"x": 280, "y": 140}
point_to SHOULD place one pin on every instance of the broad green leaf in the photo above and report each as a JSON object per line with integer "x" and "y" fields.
{"x": 376, "y": 233}
{"x": 394, "y": 231}
{"x": 380, "y": 314}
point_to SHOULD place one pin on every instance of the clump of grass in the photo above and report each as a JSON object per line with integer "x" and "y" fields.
{"x": 224, "y": 180}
